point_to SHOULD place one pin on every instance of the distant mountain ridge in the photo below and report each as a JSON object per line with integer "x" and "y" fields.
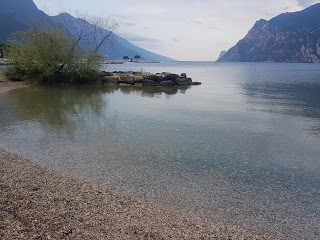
{"x": 289, "y": 37}
{"x": 21, "y": 10}
{"x": 16, "y": 15}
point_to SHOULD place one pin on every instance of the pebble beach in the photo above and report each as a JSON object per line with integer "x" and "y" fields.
{"x": 39, "y": 203}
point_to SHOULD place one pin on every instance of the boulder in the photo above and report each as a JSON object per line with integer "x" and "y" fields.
{"x": 138, "y": 79}
{"x": 183, "y": 75}
{"x": 171, "y": 77}
{"x": 184, "y": 81}
{"x": 126, "y": 77}
{"x": 166, "y": 83}
{"x": 130, "y": 81}
{"x": 155, "y": 78}
{"x": 148, "y": 82}
{"x": 165, "y": 73}
{"x": 196, "y": 83}
{"x": 110, "y": 79}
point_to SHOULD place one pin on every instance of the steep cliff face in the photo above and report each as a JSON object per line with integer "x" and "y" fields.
{"x": 289, "y": 37}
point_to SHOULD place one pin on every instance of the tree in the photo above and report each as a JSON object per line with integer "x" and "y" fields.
{"x": 136, "y": 57}
{"x": 3, "y": 49}
{"x": 51, "y": 52}
{"x": 125, "y": 58}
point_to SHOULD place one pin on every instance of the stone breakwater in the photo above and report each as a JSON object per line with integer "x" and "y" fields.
{"x": 147, "y": 79}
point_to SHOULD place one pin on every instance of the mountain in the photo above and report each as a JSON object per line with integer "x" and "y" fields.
{"x": 116, "y": 47}
{"x": 17, "y": 15}
{"x": 13, "y": 16}
{"x": 289, "y": 37}
{"x": 9, "y": 25}
{"x": 222, "y": 53}
{"x": 20, "y": 10}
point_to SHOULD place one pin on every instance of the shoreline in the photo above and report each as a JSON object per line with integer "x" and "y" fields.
{"x": 7, "y": 85}
{"x": 39, "y": 203}
{"x": 36, "y": 202}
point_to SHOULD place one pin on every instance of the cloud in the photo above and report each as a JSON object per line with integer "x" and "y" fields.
{"x": 147, "y": 8}
{"x": 143, "y": 40}
{"x": 194, "y": 22}
{"x": 214, "y": 28}
{"x": 306, "y": 3}
{"x": 129, "y": 24}
{"x": 119, "y": 16}
{"x": 174, "y": 39}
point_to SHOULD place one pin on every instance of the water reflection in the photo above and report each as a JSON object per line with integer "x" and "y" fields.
{"x": 153, "y": 92}
{"x": 294, "y": 99}
{"x": 60, "y": 108}
{"x": 206, "y": 151}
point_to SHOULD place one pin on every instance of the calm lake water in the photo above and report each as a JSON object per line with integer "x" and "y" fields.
{"x": 242, "y": 149}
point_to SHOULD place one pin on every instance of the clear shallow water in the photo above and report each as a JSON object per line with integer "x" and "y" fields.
{"x": 243, "y": 148}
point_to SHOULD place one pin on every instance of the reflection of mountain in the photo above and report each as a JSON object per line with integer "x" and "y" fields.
{"x": 299, "y": 99}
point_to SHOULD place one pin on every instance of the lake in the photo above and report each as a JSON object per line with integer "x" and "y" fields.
{"x": 241, "y": 149}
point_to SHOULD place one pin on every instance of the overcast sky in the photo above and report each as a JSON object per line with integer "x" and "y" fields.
{"x": 181, "y": 29}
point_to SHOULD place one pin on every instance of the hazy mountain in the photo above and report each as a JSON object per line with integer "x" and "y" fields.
{"x": 9, "y": 25}
{"x": 289, "y": 37}
{"x": 116, "y": 47}
{"x": 222, "y": 53}
{"x": 16, "y": 15}
{"x": 21, "y": 10}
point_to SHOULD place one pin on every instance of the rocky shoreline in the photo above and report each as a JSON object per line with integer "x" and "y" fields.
{"x": 147, "y": 79}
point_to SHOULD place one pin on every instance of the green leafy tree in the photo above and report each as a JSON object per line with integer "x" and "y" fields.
{"x": 136, "y": 57}
{"x": 49, "y": 53}
{"x": 3, "y": 49}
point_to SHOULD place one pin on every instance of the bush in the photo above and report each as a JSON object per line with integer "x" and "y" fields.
{"x": 49, "y": 54}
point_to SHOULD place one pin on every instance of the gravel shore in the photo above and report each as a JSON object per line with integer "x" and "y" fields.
{"x": 37, "y": 203}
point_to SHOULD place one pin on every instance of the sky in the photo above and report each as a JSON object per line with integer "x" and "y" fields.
{"x": 194, "y": 30}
